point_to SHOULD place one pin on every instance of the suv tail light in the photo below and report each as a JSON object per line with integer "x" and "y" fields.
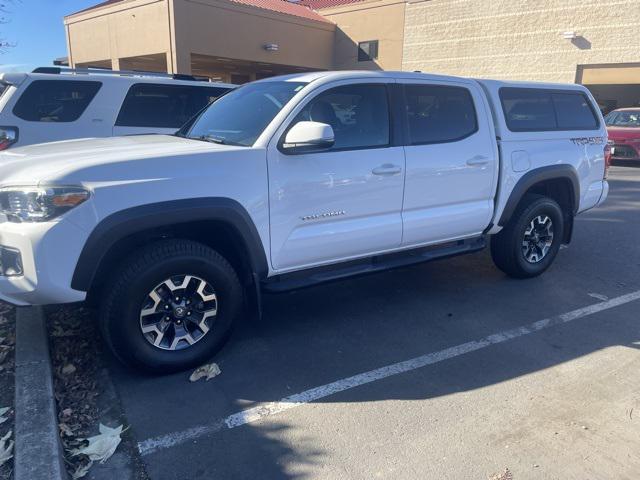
{"x": 607, "y": 159}
{"x": 8, "y": 136}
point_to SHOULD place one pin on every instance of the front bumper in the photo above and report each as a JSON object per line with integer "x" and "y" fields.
{"x": 625, "y": 151}
{"x": 49, "y": 252}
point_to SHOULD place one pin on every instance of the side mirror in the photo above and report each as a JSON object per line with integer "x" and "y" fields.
{"x": 309, "y": 136}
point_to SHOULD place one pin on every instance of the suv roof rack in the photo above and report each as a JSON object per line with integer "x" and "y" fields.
{"x": 106, "y": 71}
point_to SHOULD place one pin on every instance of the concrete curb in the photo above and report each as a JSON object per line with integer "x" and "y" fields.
{"x": 38, "y": 452}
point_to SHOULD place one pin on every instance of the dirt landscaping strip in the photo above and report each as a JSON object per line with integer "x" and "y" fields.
{"x": 7, "y": 382}
{"x": 86, "y": 397}
{"x": 37, "y": 451}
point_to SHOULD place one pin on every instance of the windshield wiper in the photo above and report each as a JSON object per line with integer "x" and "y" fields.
{"x": 212, "y": 139}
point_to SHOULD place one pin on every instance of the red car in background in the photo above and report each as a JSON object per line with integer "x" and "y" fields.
{"x": 623, "y": 126}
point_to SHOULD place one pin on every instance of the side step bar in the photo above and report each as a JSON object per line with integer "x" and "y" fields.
{"x": 307, "y": 278}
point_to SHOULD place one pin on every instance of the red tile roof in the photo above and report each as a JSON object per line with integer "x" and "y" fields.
{"x": 283, "y": 6}
{"x": 102, "y": 4}
{"x": 297, "y": 9}
{"x": 319, "y": 4}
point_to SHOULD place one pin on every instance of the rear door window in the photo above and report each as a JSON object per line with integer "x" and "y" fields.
{"x": 55, "y": 100}
{"x": 164, "y": 106}
{"x": 438, "y": 113}
{"x": 536, "y": 110}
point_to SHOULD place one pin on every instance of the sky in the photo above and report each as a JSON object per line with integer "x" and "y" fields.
{"x": 36, "y": 29}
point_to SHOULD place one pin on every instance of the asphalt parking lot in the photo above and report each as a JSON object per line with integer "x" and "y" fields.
{"x": 527, "y": 376}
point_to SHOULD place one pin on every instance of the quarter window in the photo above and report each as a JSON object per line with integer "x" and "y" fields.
{"x": 536, "y": 110}
{"x": 55, "y": 100}
{"x": 437, "y": 114}
{"x": 368, "y": 51}
{"x": 358, "y": 114}
{"x": 164, "y": 106}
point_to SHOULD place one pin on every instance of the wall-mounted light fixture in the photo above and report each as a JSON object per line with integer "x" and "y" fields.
{"x": 570, "y": 35}
{"x": 271, "y": 47}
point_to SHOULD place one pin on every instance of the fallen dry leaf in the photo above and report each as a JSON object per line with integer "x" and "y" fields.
{"x": 6, "y": 448}
{"x": 506, "y": 475}
{"x": 3, "y": 411}
{"x": 102, "y": 446}
{"x": 81, "y": 471}
{"x": 206, "y": 371}
{"x": 65, "y": 430}
{"x": 68, "y": 369}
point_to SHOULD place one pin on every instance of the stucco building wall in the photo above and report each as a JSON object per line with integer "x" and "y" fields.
{"x": 133, "y": 29}
{"x": 519, "y": 40}
{"x": 381, "y": 20}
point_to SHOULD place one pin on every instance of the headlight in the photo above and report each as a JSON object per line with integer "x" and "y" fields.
{"x": 39, "y": 204}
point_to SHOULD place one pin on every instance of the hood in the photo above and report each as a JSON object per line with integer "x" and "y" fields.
{"x": 623, "y": 133}
{"x": 49, "y": 161}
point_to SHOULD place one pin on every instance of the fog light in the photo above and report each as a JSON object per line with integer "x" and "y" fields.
{"x": 10, "y": 262}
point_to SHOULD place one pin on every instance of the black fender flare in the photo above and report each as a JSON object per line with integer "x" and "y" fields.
{"x": 550, "y": 172}
{"x": 125, "y": 223}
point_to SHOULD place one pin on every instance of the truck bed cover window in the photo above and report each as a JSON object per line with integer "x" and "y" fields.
{"x": 539, "y": 110}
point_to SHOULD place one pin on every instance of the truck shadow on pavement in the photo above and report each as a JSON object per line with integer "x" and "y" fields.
{"x": 316, "y": 336}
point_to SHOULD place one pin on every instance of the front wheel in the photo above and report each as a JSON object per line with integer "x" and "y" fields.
{"x": 529, "y": 243}
{"x": 171, "y": 306}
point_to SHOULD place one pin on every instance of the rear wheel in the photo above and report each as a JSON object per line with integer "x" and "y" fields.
{"x": 529, "y": 243}
{"x": 171, "y": 306}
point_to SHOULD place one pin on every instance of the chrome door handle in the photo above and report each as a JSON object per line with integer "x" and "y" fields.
{"x": 386, "y": 169}
{"x": 478, "y": 161}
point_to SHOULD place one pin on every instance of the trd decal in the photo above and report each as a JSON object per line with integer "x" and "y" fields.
{"x": 588, "y": 140}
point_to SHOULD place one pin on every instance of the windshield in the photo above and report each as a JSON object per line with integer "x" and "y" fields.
{"x": 240, "y": 116}
{"x": 623, "y": 119}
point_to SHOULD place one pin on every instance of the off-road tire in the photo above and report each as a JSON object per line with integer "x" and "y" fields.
{"x": 145, "y": 268}
{"x": 506, "y": 246}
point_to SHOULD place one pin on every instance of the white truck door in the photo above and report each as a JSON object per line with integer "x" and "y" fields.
{"x": 343, "y": 202}
{"x": 452, "y": 162}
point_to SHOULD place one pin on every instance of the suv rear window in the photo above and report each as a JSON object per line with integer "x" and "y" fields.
{"x": 55, "y": 100}
{"x": 537, "y": 110}
{"x": 164, "y": 106}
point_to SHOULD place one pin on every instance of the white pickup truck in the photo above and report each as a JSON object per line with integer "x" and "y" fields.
{"x": 288, "y": 182}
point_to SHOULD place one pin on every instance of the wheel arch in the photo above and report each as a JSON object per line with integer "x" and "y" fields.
{"x": 559, "y": 182}
{"x": 221, "y": 223}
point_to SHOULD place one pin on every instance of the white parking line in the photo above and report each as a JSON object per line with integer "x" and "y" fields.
{"x": 254, "y": 414}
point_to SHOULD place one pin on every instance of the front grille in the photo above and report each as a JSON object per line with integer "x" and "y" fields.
{"x": 624, "y": 151}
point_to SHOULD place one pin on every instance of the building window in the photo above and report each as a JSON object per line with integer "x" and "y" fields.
{"x": 368, "y": 51}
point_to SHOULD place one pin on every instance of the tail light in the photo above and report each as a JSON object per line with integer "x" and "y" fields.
{"x": 8, "y": 136}
{"x": 607, "y": 159}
